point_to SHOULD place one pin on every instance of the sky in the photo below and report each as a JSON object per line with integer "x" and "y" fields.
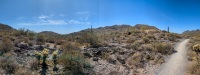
{"x": 67, "y": 16}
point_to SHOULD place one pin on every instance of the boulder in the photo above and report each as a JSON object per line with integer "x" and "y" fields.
{"x": 23, "y": 45}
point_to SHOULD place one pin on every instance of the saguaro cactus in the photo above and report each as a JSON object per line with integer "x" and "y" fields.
{"x": 91, "y": 29}
{"x": 168, "y": 29}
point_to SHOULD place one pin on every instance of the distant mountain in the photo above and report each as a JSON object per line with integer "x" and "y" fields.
{"x": 49, "y": 33}
{"x": 111, "y": 29}
{"x": 192, "y": 33}
{"x": 114, "y": 27}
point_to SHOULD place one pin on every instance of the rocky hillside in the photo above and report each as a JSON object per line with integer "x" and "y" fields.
{"x": 5, "y": 27}
{"x": 125, "y": 49}
{"x": 193, "y": 57}
{"x": 111, "y": 50}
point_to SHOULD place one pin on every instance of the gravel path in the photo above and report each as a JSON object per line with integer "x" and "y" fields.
{"x": 175, "y": 65}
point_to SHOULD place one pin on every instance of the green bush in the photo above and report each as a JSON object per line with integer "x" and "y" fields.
{"x": 163, "y": 48}
{"x": 151, "y": 37}
{"x": 72, "y": 60}
{"x": 173, "y": 37}
{"x": 40, "y": 39}
{"x": 145, "y": 39}
{"x": 25, "y": 32}
{"x": 87, "y": 37}
{"x": 73, "y": 65}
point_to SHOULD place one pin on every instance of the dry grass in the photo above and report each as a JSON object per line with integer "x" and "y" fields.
{"x": 193, "y": 67}
{"x": 135, "y": 58}
{"x": 72, "y": 60}
{"x": 22, "y": 71}
{"x": 6, "y": 45}
{"x": 163, "y": 48}
{"x": 9, "y": 67}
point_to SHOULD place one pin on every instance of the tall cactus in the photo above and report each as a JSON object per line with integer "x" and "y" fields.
{"x": 91, "y": 29}
{"x": 168, "y": 29}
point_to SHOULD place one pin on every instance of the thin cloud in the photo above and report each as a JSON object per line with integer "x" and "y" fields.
{"x": 82, "y": 13}
{"x": 43, "y": 17}
{"x": 43, "y": 20}
{"x": 84, "y": 18}
{"x": 78, "y": 22}
{"x": 62, "y": 15}
{"x": 54, "y": 22}
{"x": 167, "y": 17}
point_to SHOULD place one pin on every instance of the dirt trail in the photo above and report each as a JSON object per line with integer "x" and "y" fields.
{"x": 176, "y": 63}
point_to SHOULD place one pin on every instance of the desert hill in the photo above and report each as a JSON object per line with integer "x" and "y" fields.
{"x": 102, "y": 50}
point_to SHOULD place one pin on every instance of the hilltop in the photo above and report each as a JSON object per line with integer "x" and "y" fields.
{"x": 5, "y": 27}
{"x": 115, "y": 28}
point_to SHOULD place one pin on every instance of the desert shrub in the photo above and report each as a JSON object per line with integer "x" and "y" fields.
{"x": 130, "y": 40}
{"x": 164, "y": 31}
{"x": 145, "y": 39}
{"x": 30, "y": 43}
{"x": 73, "y": 65}
{"x": 6, "y": 45}
{"x": 151, "y": 36}
{"x": 135, "y": 46}
{"x": 147, "y": 47}
{"x": 25, "y": 32}
{"x": 34, "y": 66}
{"x": 8, "y": 66}
{"x": 59, "y": 42}
{"x": 26, "y": 40}
{"x": 173, "y": 36}
{"x": 105, "y": 56}
{"x": 40, "y": 39}
{"x": 194, "y": 69}
{"x": 163, "y": 48}
{"x": 22, "y": 71}
{"x": 51, "y": 39}
{"x": 69, "y": 47}
{"x": 135, "y": 31}
{"x": 135, "y": 59}
{"x": 72, "y": 60}
{"x": 91, "y": 38}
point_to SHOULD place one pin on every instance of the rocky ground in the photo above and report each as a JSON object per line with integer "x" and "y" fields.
{"x": 123, "y": 50}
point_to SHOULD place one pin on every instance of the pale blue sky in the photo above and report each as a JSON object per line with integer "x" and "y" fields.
{"x": 66, "y": 16}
